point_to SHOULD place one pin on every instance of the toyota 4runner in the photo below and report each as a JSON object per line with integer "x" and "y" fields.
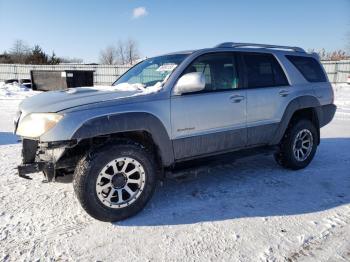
{"x": 171, "y": 109}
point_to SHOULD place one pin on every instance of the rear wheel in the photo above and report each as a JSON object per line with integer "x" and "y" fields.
{"x": 298, "y": 145}
{"x": 115, "y": 182}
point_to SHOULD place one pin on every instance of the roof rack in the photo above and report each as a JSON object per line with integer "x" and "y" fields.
{"x": 232, "y": 44}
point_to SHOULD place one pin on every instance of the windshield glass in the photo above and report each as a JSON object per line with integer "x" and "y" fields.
{"x": 150, "y": 73}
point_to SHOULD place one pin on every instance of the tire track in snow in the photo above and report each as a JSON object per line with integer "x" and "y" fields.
{"x": 333, "y": 225}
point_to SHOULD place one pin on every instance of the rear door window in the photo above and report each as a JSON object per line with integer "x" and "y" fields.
{"x": 308, "y": 67}
{"x": 263, "y": 70}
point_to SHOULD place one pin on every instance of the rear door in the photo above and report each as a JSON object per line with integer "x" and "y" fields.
{"x": 268, "y": 91}
{"x": 213, "y": 119}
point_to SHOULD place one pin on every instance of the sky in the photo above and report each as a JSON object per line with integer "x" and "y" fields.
{"x": 81, "y": 28}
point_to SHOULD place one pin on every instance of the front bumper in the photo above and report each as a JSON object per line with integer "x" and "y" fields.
{"x": 37, "y": 157}
{"x": 25, "y": 169}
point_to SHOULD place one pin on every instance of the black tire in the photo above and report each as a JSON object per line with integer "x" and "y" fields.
{"x": 88, "y": 169}
{"x": 285, "y": 156}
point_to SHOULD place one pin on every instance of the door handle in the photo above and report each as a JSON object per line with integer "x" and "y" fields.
{"x": 236, "y": 98}
{"x": 284, "y": 93}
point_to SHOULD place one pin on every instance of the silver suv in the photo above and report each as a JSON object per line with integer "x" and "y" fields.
{"x": 171, "y": 109}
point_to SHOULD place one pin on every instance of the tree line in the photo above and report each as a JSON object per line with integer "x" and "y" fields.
{"x": 22, "y": 53}
{"x": 123, "y": 53}
{"x": 335, "y": 55}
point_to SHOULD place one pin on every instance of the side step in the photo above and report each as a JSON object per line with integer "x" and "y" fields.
{"x": 184, "y": 168}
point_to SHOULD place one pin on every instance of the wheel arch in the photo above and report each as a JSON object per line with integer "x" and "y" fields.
{"x": 143, "y": 128}
{"x": 306, "y": 107}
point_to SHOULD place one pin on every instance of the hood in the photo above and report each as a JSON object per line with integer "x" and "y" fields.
{"x": 55, "y": 101}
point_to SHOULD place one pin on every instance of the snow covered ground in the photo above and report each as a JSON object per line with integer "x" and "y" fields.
{"x": 247, "y": 210}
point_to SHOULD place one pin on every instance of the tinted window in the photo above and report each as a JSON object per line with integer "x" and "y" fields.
{"x": 219, "y": 71}
{"x": 308, "y": 67}
{"x": 263, "y": 70}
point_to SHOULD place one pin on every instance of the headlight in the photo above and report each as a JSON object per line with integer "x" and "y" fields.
{"x": 36, "y": 124}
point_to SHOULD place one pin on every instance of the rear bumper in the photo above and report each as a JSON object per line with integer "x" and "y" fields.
{"x": 327, "y": 114}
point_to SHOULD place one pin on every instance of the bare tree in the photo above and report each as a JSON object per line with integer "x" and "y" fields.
{"x": 121, "y": 53}
{"x": 132, "y": 53}
{"x": 125, "y": 52}
{"x": 19, "y": 51}
{"x": 108, "y": 56}
{"x": 335, "y": 55}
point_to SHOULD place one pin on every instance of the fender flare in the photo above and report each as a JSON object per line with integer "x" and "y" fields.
{"x": 126, "y": 122}
{"x": 296, "y": 104}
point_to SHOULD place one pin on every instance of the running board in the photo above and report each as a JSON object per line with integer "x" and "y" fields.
{"x": 183, "y": 168}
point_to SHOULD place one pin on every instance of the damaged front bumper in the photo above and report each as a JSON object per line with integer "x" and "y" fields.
{"x": 42, "y": 157}
{"x": 25, "y": 169}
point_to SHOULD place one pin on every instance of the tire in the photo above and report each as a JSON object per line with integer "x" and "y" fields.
{"x": 97, "y": 168}
{"x": 287, "y": 156}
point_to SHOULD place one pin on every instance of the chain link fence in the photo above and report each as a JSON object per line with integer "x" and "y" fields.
{"x": 337, "y": 71}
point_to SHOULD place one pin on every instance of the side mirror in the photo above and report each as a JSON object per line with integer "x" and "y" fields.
{"x": 188, "y": 83}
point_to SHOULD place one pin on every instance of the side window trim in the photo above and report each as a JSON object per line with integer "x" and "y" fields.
{"x": 284, "y": 70}
{"x": 244, "y": 70}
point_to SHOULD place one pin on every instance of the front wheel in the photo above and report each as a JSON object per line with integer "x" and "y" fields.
{"x": 115, "y": 182}
{"x": 298, "y": 145}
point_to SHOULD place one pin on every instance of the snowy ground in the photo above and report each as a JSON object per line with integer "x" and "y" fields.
{"x": 248, "y": 210}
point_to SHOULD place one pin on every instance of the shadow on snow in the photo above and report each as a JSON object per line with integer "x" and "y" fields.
{"x": 7, "y": 138}
{"x": 253, "y": 187}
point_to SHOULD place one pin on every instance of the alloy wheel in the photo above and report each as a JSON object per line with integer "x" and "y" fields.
{"x": 302, "y": 145}
{"x": 120, "y": 182}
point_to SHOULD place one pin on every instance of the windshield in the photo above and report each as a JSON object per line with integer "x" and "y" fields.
{"x": 152, "y": 72}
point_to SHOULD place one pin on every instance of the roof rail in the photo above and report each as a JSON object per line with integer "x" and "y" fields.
{"x": 232, "y": 44}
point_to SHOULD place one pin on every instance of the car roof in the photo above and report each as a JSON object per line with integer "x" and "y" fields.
{"x": 247, "y": 47}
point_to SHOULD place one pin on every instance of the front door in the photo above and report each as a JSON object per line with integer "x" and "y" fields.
{"x": 214, "y": 119}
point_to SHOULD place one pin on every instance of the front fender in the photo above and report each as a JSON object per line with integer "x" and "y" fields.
{"x": 126, "y": 122}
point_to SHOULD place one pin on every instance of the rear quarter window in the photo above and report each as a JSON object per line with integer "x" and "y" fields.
{"x": 309, "y": 67}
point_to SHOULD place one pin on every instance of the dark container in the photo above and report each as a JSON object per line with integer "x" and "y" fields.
{"x": 10, "y": 81}
{"x": 26, "y": 82}
{"x": 45, "y": 80}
